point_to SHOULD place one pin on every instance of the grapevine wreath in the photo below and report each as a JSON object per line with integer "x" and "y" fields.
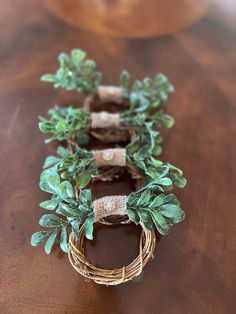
{"x": 66, "y": 177}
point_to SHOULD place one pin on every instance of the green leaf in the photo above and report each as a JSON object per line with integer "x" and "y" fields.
{"x": 148, "y": 224}
{"x": 86, "y": 197}
{"x": 181, "y": 182}
{"x": 50, "y": 161}
{"x": 61, "y": 126}
{"x": 143, "y": 215}
{"x": 156, "y": 163}
{"x": 124, "y": 79}
{"x": 46, "y": 127}
{"x": 66, "y": 190}
{"x": 50, "y": 220}
{"x": 75, "y": 227}
{"x": 48, "y": 78}
{"x": 63, "y": 59}
{"x": 133, "y": 215}
{"x": 63, "y": 152}
{"x": 53, "y": 182}
{"x": 171, "y": 198}
{"x": 66, "y": 211}
{"x": 82, "y": 139}
{"x": 88, "y": 227}
{"x": 50, "y": 242}
{"x": 83, "y": 179}
{"x": 144, "y": 198}
{"x": 63, "y": 240}
{"x": 161, "y": 78}
{"x": 157, "y": 150}
{"x": 168, "y": 121}
{"x": 50, "y": 204}
{"x": 172, "y": 211}
{"x": 77, "y": 56}
{"x": 164, "y": 181}
{"x": 49, "y": 181}
{"x": 158, "y": 201}
{"x": 160, "y": 222}
{"x": 39, "y": 237}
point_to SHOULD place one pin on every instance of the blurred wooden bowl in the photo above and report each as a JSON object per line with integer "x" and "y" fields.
{"x": 129, "y": 18}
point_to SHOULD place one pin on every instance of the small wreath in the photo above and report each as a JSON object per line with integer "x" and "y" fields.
{"x": 67, "y": 175}
{"x": 108, "y": 277}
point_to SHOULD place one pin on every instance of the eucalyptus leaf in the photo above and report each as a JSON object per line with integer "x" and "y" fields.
{"x": 50, "y": 161}
{"x": 88, "y": 227}
{"x": 158, "y": 201}
{"x": 39, "y": 237}
{"x": 63, "y": 240}
{"x": 50, "y": 204}
{"x": 50, "y": 242}
{"x": 133, "y": 215}
{"x": 143, "y": 215}
{"x": 86, "y": 197}
{"x": 83, "y": 179}
{"x": 66, "y": 190}
{"x": 160, "y": 223}
{"x": 50, "y": 220}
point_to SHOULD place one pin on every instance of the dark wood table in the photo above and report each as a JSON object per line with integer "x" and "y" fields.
{"x": 194, "y": 266}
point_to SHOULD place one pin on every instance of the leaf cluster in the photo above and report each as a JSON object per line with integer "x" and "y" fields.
{"x": 75, "y": 73}
{"x": 154, "y": 168}
{"x": 147, "y": 94}
{"x": 147, "y": 143}
{"x": 68, "y": 211}
{"x": 78, "y": 167}
{"x": 64, "y": 123}
{"x": 147, "y": 207}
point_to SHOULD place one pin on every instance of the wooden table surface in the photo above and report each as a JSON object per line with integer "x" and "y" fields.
{"x": 194, "y": 267}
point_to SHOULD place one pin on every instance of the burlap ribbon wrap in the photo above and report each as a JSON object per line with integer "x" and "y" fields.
{"x": 110, "y": 157}
{"x": 110, "y": 93}
{"x": 109, "y": 205}
{"x": 104, "y": 120}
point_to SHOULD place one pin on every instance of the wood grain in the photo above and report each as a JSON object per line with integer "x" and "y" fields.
{"x": 194, "y": 267}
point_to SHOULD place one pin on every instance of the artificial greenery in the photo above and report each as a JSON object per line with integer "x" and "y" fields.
{"x": 72, "y": 123}
{"x": 75, "y": 73}
{"x": 147, "y": 94}
{"x": 145, "y": 206}
{"x": 151, "y": 209}
{"x": 65, "y": 176}
{"x": 68, "y": 211}
{"x": 64, "y": 123}
{"x": 80, "y": 167}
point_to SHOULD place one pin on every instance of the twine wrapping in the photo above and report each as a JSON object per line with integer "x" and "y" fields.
{"x": 103, "y": 120}
{"x": 110, "y": 93}
{"x": 110, "y": 157}
{"x": 109, "y": 206}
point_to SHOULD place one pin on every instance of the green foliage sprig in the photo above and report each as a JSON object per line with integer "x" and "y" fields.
{"x": 80, "y": 167}
{"x": 68, "y": 211}
{"x": 75, "y": 73}
{"x": 161, "y": 211}
{"x": 64, "y": 123}
{"x": 145, "y": 206}
{"x": 69, "y": 207}
{"x": 147, "y": 94}
{"x": 70, "y": 123}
